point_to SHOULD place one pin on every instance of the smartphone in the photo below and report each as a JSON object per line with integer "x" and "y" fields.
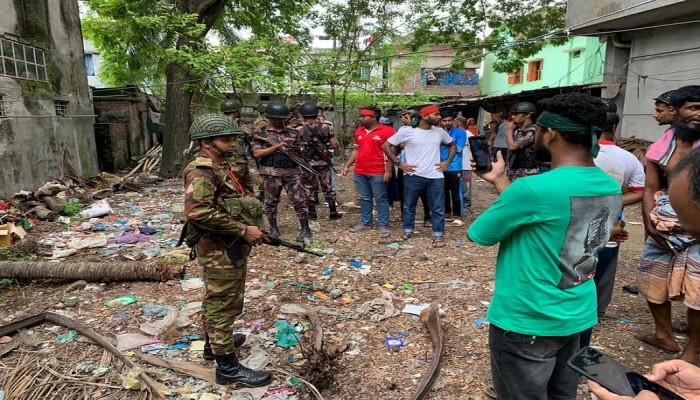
{"x": 480, "y": 152}
{"x": 615, "y": 377}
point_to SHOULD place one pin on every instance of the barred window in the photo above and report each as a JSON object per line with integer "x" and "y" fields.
{"x": 3, "y": 106}
{"x": 22, "y": 61}
{"x": 61, "y": 108}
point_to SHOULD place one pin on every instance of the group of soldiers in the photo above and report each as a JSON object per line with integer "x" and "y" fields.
{"x": 224, "y": 213}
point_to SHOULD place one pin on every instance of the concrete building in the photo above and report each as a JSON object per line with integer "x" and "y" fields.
{"x": 92, "y": 64}
{"x": 433, "y": 74}
{"x": 579, "y": 61}
{"x": 652, "y": 48}
{"x": 45, "y": 107}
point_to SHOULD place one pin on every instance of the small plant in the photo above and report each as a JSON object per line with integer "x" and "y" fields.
{"x": 5, "y": 282}
{"x": 71, "y": 209}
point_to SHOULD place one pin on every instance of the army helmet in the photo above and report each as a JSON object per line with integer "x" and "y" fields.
{"x": 308, "y": 110}
{"x": 212, "y": 125}
{"x": 277, "y": 110}
{"x": 262, "y": 107}
{"x": 524, "y": 107}
{"x": 231, "y": 105}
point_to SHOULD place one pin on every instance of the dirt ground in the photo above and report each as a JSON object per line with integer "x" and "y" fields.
{"x": 459, "y": 277}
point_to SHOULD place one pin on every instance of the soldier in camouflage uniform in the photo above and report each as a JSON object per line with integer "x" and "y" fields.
{"x": 317, "y": 139}
{"x": 219, "y": 206}
{"x": 279, "y": 170}
{"x": 261, "y": 120}
{"x": 232, "y": 109}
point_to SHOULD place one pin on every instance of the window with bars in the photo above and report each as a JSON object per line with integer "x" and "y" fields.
{"x": 61, "y": 107}
{"x": 3, "y": 106}
{"x": 22, "y": 61}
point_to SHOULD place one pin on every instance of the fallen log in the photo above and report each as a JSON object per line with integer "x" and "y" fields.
{"x": 151, "y": 385}
{"x": 90, "y": 271}
{"x": 431, "y": 319}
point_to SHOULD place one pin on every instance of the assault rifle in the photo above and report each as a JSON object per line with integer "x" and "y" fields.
{"x": 325, "y": 156}
{"x": 292, "y": 156}
{"x": 277, "y": 242}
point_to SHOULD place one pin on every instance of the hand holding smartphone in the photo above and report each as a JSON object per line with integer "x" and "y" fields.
{"x": 615, "y": 377}
{"x": 479, "y": 147}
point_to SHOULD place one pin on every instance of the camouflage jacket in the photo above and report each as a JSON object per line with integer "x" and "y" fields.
{"x": 207, "y": 186}
{"x": 259, "y": 122}
{"x": 277, "y": 164}
{"x": 315, "y": 138}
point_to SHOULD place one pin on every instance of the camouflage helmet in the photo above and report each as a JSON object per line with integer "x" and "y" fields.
{"x": 231, "y": 105}
{"x": 524, "y": 107}
{"x": 277, "y": 110}
{"x": 308, "y": 110}
{"x": 212, "y": 125}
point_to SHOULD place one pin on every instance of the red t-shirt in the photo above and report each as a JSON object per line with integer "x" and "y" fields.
{"x": 371, "y": 159}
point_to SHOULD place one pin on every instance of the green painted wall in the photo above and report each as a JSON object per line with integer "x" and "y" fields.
{"x": 560, "y": 68}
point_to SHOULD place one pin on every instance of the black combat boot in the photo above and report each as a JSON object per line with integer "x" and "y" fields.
{"x": 334, "y": 214}
{"x": 229, "y": 370}
{"x": 208, "y": 354}
{"x": 274, "y": 229}
{"x": 312, "y": 212}
{"x": 316, "y": 200}
{"x": 305, "y": 232}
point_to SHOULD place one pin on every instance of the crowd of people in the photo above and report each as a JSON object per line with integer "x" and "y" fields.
{"x": 562, "y": 186}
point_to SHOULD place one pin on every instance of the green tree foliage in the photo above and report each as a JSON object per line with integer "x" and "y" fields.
{"x": 519, "y": 28}
{"x": 163, "y": 44}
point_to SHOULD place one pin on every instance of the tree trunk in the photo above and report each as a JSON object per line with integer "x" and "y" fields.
{"x": 93, "y": 272}
{"x": 177, "y": 120}
{"x": 178, "y": 95}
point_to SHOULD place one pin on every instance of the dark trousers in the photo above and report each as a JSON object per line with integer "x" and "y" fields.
{"x": 453, "y": 193}
{"x": 604, "y": 279}
{"x": 526, "y": 367}
{"x": 423, "y": 197}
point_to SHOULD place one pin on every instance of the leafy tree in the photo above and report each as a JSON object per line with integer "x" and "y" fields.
{"x": 519, "y": 28}
{"x": 156, "y": 42}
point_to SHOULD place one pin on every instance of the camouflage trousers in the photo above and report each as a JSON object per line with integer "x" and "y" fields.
{"x": 311, "y": 183}
{"x": 223, "y": 296}
{"x": 292, "y": 185}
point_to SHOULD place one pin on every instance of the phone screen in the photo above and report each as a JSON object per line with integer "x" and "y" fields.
{"x": 480, "y": 152}
{"x": 614, "y": 376}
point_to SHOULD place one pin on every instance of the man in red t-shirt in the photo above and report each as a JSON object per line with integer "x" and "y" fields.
{"x": 372, "y": 170}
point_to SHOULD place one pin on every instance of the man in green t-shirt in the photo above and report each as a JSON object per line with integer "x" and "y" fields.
{"x": 550, "y": 228}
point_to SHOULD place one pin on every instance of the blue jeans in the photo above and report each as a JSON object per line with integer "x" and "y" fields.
{"x": 527, "y": 367}
{"x": 412, "y": 187}
{"x": 373, "y": 188}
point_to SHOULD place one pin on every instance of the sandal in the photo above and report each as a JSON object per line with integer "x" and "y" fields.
{"x": 438, "y": 243}
{"x": 404, "y": 237}
{"x": 384, "y": 233}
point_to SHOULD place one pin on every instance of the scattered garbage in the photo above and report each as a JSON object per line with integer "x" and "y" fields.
{"x": 127, "y": 341}
{"x": 100, "y": 208}
{"x": 481, "y": 322}
{"x": 10, "y": 232}
{"x": 66, "y": 337}
{"x": 121, "y": 301}
{"x": 287, "y": 335}
{"x": 191, "y": 284}
{"x": 393, "y": 343}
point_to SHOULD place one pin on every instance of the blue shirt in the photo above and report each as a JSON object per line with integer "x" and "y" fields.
{"x": 460, "y": 138}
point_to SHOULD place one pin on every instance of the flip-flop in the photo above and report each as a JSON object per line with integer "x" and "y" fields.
{"x": 438, "y": 243}
{"x": 648, "y": 340}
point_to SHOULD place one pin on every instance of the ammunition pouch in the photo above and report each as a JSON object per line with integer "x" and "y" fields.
{"x": 248, "y": 210}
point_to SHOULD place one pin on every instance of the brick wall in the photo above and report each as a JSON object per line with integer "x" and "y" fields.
{"x": 112, "y": 142}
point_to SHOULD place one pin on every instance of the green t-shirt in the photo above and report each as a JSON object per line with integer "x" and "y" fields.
{"x": 550, "y": 227}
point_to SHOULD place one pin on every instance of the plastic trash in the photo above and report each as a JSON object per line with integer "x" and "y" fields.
{"x": 126, "y": 341}
{"x": 87, "y": 242}
{"x": 393, "y": 343}
{"x": 328, "y": 271}
{"x": 121, "y": 301}
{"x": 100, "y": 208}
{"x": 191, "y": 284}
{"x": 154, "y": 310}
{"x": 132, "y": 239}
{"x": 157, "y": 328}
{"x": 147, "y": 230}
{"x": 287, "y": 335}
{"x": 66, "y": 337}
{"x": 480, "y": 322}
{"x": 355, "y": 263}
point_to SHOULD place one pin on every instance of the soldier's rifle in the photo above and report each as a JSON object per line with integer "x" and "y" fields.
{"x": 298, "y": 160}
{"x": 277, "y": 242}
{"x": 323, "y": 154}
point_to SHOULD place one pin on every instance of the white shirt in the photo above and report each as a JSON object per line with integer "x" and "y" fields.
{"x": 621, "y": 165}
{"x": 467, "y": 154}
{"x": 421, "y": 148}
